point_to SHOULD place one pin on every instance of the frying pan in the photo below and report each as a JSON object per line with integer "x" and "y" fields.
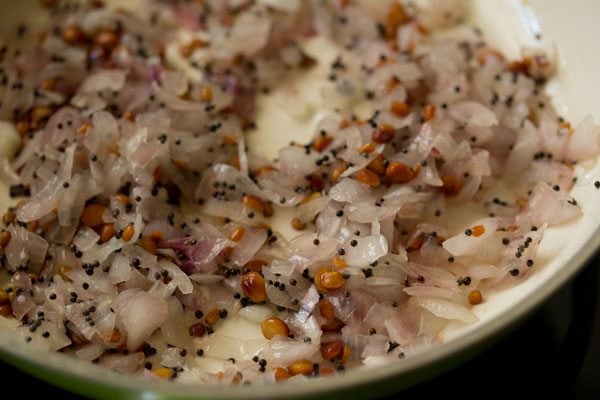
{"x": 567, "y": 27}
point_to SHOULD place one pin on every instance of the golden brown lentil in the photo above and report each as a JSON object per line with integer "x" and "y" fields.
{"x": 400, "y": 173}
{"x": 328, "y": 279}
{"x": 400, "y": 108}
{"x": 428, "y": 112}
{"x": 475, "y": 297}
{"x": 326, "y": 309}
{"x": 368, "y": 177}
{"x": 335, "y": 325}
{"x": 164, "y": 373}
{"x": 281, "y": 374}
{"x": 128, "y": 232}
{"x": 92, "y": 215}
{"x": 301, "y": 367}
{"x": 322, "y": 142}
{"x": 6, "y": 310}
{"x": 253, "y": 286}
{"x": 452, "y": 185}
{"x": 478, "y": 230}
{"x": 237, "y": 234}
{"x": 5, "y": 237}
{"x": 297, "y": 224}
{"x": 253, "y": 202}
{"x": 213, "y": 316}
{"x": 332, "y": 350}
{"x": 274, "y": 326}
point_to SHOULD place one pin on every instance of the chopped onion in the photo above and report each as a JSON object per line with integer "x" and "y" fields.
{"x": 445, "y": 309}
{"x": 149, "y": 209}
{"x": 366, "y": 251}
{"x": 141, "y": 314}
